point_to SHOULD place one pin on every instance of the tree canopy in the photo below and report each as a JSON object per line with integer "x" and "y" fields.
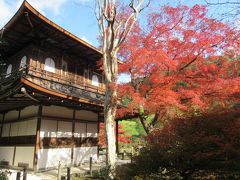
{"x": 183, "y": 62}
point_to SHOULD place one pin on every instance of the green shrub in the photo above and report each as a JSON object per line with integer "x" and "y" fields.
{"x": 4, "y": 174}
{"x": 184, "y": 147}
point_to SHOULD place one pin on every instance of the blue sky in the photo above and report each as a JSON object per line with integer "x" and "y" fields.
{"x": 77, "y": 16}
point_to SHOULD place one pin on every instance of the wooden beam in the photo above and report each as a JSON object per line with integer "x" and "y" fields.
{"x": 117, "y": 147}
{"x": 28, "y": 140}
{"x": 2, "y": 123}
{"x": 14, "y": 154}
{"x": 73, "y": 130}
{"x": 98, "y": 130}
{"x": 37, "y": 142}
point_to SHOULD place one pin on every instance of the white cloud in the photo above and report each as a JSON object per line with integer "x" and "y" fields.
{"x": 85, "y": 39}
{"x": 8, "y": 8}
{"x": 53, "y": 6}
{"x": 5, "y": 12}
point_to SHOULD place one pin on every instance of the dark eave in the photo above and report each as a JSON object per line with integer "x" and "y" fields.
{"x": 29, "y": 26}
{"x": 12, "y": 97}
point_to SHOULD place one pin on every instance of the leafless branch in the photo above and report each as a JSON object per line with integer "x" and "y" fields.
{"x": 222, "y": 3}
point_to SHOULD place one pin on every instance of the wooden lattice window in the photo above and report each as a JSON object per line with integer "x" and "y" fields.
{"x": 23, "y": 62}
{"x": 49, "y": 65}
{"x": 95, "y": 80}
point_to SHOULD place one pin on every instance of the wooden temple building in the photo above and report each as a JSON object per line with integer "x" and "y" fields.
{"x": 51, "y": 94}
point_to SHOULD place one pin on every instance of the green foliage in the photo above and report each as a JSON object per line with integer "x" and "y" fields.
{"x": 102, "y": 173}
{"x": 126, "y": 101}
{"x": 185, "y": 147}
{"x": 181, "y": 83}
{"x": 134, "y": 130}
{"x": 4, "y": 174}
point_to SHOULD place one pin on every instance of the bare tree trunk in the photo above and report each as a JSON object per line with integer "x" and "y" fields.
{"x": 109, "y": 115}
{"x": 113, "y": 32}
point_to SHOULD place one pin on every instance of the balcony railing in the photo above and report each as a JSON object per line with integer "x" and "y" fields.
{"x": 72, "y": 85}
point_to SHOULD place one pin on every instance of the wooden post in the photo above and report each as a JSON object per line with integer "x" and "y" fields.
{"x": 18, "y": 176}
{"x": 117, "y": 148}
{"x": 98, "y": 128}
{"x": 90, "y": 166}
{"x": 59, "y": 171}
{"x": 2, "y": 125}
{"x": 37, "y": 142}
{"x": 68, "y": 173}
{"x": 24, "y": 174}
{"x": 14, "y": 152}
{"x": 73, "y": 130}
{"x": 123, "y": 155}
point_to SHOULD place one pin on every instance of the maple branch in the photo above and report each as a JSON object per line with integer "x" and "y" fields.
{"x": 143, "y": 120}
{"x": 155, "y": 119}
{"x": 223, "y": 3}
{"x": 194, "y": 59}
{"x": 188, "y": 64}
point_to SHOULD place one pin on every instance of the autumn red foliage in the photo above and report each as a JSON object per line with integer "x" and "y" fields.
{"x": 121, "y": 136}
{"x": 183, "y": 62}
{"x": 204, "y": 143}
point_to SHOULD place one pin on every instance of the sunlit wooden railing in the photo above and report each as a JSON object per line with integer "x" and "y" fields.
{"x": 69, "y": 79}
{"x": 72, "y": 85}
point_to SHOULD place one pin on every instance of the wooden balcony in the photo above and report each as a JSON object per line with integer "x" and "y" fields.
{"x": 71, "y": 85}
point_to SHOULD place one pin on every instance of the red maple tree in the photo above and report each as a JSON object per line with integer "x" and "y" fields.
{"x": 191, "y": 146}
{"x": 183, "y": 62}
{"x": 121, "y": 135}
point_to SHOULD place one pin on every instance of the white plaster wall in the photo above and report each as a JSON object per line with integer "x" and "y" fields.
{"x": 92, "y": 129}
{"x": 48, "y": 158}
{"x": 14, "y": 129}
{"x": 57, "y": 111}
{"x": 83, "y": 154}
{"x": 24, "y": 155}
{"x": 6, "y": 129}
{"x": 80, "y": 130}
{"x": 6, "y": 154}
{"x": 22, "y": 128}
{"x": 31, "y": 127}
{"x": 29, "y": 111}
{"x": 27, "y": 127}
{"x": 86, "y": 115}
{"x": 64, "y": 129}
{"x": 48, "y": 128}
{"x": 11, "y": 115}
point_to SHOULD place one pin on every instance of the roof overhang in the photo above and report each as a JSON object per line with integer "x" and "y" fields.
{"x": 29, "y": 26}
{"x": 13, "y": 97}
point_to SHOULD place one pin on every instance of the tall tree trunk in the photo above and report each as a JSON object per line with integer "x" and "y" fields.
{"x": 110, "y": 108}
{"x": 113, "y": 34}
